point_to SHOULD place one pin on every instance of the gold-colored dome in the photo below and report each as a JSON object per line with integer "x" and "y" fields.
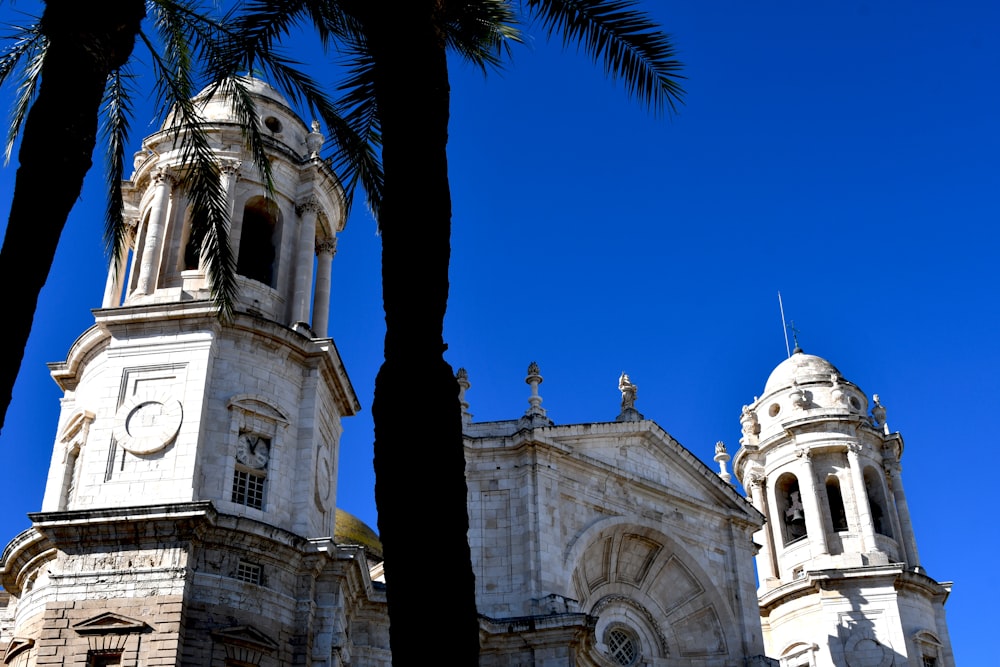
{"x": 349, "y": 529}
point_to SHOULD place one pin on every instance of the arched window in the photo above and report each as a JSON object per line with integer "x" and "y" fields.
{"x": 256, "y": 258}
{"x": 192, "y": 251}
{"x": 793, "y": 518}
{"x": 836, "y": 500}
{"x": 623, "y": 646}
{"x": 136, "y": 259}
{"x": 876, "y": 501}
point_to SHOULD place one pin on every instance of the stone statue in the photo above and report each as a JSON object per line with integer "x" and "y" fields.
{"x": 749, "y": 421}
{"x": 878, "y": 411}
{"x": 720, "y": 447}
{"x": 628, "y": 391}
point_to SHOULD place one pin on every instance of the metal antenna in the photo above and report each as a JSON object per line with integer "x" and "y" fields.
{"x": 784, "y": 327}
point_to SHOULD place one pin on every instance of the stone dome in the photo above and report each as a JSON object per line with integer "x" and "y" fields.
{"x": 800, "y": 367}
{"x": 254, "y": 86}
{"x": 264, "y": 89}
{"x": 349, "y": 529}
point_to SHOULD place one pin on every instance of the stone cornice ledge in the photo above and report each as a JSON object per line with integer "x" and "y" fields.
{"x": 519, "y": 624}
{"x": 128, "y": 525}
{"x": 815, "y": 580}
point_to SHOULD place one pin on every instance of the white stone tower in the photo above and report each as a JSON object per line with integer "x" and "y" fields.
{"x": 840, "y": 581}
{"x": 188, "y": 517}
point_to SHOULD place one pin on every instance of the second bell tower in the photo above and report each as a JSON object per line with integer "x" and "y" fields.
{"x": 840, "y": 577}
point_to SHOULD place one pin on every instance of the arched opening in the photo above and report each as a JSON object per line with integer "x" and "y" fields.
{"x": 191, "y": 259}
{"x": 256, "y": 258}
{"x": 789, "y": 498}
{"x": 136, "y": 254}
{"x": 623, "y": 646}
{"x": 72, "y": 476}
{"x": 876, "y": 502}
{"x": 838, "y": 516}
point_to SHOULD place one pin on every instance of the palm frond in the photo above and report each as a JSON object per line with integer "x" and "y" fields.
{"x": 356, "y": 130}
{"x": 117, "y": 112}
{"x": 202, "y": 183}
{"x": 631, "y": 46}
{"x": 481, "y": 32}
{"x": 245, "y": 109}
{"x": 29, "y": 44}
{"x": 208, "y": 40}
{"x": 172, "y": 56}
{"x": 251, "y": 46}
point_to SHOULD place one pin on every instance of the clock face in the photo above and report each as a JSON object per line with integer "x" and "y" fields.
{"x": 324, "y": 480}
{"x": 145, "y": 424}
{"x": 253, "y": 450}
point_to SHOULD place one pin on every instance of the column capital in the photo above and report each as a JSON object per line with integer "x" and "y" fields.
{"x": 327, "y": 246}
{"x": 164, "y": 176}
{"x": 308, "y": 205}
{"x": 230, "y": 166}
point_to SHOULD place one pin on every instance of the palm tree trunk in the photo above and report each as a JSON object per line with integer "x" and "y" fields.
{"x": 86, "y": 43}
{"x": 420, "y": 486}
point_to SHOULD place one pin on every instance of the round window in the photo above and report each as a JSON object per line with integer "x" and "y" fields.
{"x": 622, "y": 646}
{"x": 774, "y": 409}
{"x": 272, "y": 124}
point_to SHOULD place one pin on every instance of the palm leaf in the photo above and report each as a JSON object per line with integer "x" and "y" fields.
{"x": 252, "y": 46}
{"x": 481, "y": 32}
{"x": 117, "y": 111}
{"x": 29, "y": 44}
{"x": 631, "y": 46}
{"x": 202, "y": 183}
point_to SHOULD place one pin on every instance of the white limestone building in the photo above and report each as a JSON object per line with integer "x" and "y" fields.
{"x": 190, "y": 517}
{"x": 606, "y": 544}
{"x": 840, "y": 577}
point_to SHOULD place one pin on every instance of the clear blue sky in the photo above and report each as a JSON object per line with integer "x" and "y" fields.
{"x": 844, "y": 153}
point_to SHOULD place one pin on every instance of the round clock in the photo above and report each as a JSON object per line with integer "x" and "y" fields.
{"x": 324, "y": 480}
{"x": 147, "y": 423}
{"x": 253, "y": 450}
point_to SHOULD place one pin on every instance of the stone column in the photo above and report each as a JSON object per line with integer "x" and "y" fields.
{"x": 116, "y": 273}
{"x": 304, "y": 260}
{"x": 907, "y": 539}
{"x": 325, "y": 250}
{"x": 867, "y": 526}
{"x": 811, "y": 506}
{"x": 149, "y": 263}
{"x": 230, "y": 172}
{"x": 758, "y": 498}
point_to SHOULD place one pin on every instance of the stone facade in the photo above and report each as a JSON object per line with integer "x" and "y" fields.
{"x": 190, "y": 516}
{"x": 584, "y": 531}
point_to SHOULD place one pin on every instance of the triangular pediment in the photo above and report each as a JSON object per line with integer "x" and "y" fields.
{"x": 16, "y": 645}
{"x": 110, "y": 623}
{"x": 643, "y": 452}
{"x": 258, "y": 406}
{"x": 245, "y": 635}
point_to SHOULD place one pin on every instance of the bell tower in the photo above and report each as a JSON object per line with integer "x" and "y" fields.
{"x": 840, "y": 580}
{"x": 189, "y": 511}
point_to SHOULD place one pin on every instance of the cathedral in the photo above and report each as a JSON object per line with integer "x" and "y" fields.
{"x": 190, "y": 518}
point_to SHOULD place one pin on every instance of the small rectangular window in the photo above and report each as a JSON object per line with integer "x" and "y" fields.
{"x": 248, "y": 572}
{"x": 248, "y": 489}
{"x": 103, "y": 658}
